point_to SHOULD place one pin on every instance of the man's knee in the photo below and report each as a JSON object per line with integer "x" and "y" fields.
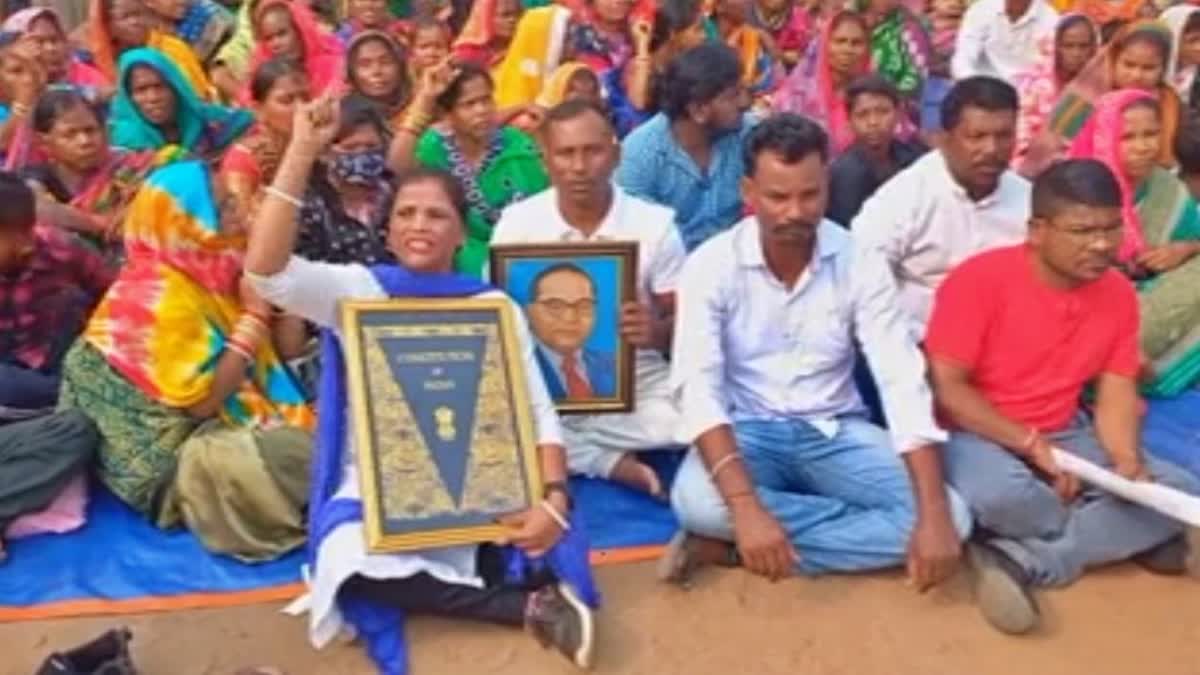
{"x": 1020, "y": 509}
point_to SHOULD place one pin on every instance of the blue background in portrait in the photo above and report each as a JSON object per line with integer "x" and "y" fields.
{"x": 604, "y": 270}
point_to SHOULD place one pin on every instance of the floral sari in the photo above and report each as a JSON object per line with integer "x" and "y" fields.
{"x": 204, "y": 128}
{"x": 1040, "y": 88}
{"x": 810, "y": 90}
{"x": 510, "y": 171}
{"x": 1076, "y": 104}
{"x": 1156, "y": 212}
{"x": 537, "y": 48}
{"x": 900, "y": 51}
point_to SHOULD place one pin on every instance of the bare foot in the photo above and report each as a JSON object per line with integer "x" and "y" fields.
{"x": 687, "y": 553}
{"x": 633, "y": 473}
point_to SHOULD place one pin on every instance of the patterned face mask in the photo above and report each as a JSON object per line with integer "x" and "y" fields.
{"x": 359, "y": 168}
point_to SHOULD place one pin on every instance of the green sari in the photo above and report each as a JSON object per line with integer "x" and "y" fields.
{"x": 511, "y": 170}
{"x": 1170, "y": 302}
{"x": 900, "y": 51}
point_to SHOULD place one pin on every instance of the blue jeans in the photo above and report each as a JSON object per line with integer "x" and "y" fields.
{"x": 846, "y": 502}
{"x": 1052, "y": 541}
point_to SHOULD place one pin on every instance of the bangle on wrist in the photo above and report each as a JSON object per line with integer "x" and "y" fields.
{"x": 554, "y": 513}
{"x": 273, "y": 191}
{"x": 560, "y": 487}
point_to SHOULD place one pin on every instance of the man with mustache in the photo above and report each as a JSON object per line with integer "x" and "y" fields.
{"x": 1016, "y": 334}
{"x": 580, "y": 149}
{"x": 786, "y": 465}
{"x": 688, "y": 157}
{"x": 953, "y": 202}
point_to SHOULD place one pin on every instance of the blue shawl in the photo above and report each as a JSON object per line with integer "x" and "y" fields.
{"x": 380, "y": 626}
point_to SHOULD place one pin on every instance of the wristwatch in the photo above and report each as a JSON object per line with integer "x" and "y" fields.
{"x": 561, "y": 487}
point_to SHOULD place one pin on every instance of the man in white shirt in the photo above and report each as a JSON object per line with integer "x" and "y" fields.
{"x": 786, "y": 465}
{"x": 581, "y": 153}
{"x": 1001, "y": 38}
{"x": 953, "y": 202}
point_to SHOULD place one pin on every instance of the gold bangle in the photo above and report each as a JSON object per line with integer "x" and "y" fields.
{"x": 554, "y": 513}
{"x": 722, "y": 463}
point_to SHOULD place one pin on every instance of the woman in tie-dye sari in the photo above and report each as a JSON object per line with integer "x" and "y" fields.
{"x": 203, "y": 425}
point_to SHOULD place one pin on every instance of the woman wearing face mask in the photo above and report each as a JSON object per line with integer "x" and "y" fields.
{"x": 286, "y": 29}
{"x": 1135, "y": 59}
{"x": 816, "y": 88}
{"x": 1161, "y": 237}
{"x": 375, "y": 72}
{"x": 116, "y": 26}
{"x": 1184, "y": 22}
{"x": 276, "y": 89}
{"x": 1076, "y": 40}
{"x": 155, "y": 107}
{"x": 345, "y": 212}
{"x": 496, "y": 165}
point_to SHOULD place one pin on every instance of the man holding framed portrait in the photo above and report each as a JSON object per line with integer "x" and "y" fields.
{"x": 576, "y": 302}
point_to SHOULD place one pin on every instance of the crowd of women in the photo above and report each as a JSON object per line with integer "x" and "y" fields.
{"x": 151, "y": 132}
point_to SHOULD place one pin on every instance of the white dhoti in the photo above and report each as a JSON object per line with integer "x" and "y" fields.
{"x": 595, "y": 443}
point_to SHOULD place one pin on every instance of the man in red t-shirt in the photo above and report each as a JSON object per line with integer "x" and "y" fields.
{"x": 1016, "y": 335}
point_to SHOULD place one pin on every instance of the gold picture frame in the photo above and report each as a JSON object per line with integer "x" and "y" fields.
{"x": 608, "y": 368}
{"x": 416, "y": 369}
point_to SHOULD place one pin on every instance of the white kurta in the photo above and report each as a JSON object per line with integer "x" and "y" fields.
{"x": 313, "y": 291}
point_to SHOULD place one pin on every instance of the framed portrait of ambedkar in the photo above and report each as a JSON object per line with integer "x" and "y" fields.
{"x": 572, "y": 296}
{"x": 439, "y": 403}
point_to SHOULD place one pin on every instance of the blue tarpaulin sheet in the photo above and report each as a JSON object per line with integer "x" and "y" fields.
{"x": 119, "y": 562}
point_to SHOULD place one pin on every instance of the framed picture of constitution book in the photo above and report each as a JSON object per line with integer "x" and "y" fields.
{"x": 572, "y": 295}
{"x": 439, "y": 403}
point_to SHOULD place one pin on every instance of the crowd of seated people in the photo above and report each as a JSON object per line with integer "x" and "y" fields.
{"x": 891, "y": 256}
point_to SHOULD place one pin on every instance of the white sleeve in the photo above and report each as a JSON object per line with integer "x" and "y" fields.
{"x": 897, "y": 364}
{"x": 886, "y": 220}
{"x": 667, "y": 264}
{"x": 968, "y": 45}
{"x": 312, "y": 290}
{"x": 697, "y": 359}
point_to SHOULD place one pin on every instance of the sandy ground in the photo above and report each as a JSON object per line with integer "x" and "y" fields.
{"x": 1118, "y": 621}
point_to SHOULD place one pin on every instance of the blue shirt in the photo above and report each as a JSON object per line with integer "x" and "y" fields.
{"x": 654, "y": 167}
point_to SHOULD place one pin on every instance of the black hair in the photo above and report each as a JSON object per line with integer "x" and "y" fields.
{"x": 357, "y": 111}
{"x": 697, "y": 76}
{"x": 1074, "y": 182}
{"x": 448, "y": 183}
{"x": 1070, "y": 22}
{"x": 555, "y": 269}
{"x": 793, "y": 137}
{"x": 58, "y": 100}
{"x": 468, "y": 71}
{"x": 980, "y": 91}
{"x": 1159, "y": 40}
{"x": 1192, "y": 24}
{"x": 401, "y": 93}
{"x": 671, "y": 17}
{"x": 20, "y": 210}
{"x": 270, "y": 72}
{"x": 1187, "y": 145}
{"x": 572, "y": 109}
{"x": 873, "y": 85}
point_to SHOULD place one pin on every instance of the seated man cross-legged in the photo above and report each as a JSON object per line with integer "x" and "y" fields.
{"x": 1017, "y": 334}
{"x": 786, "y": 464}
{"x": 583, "y": 205}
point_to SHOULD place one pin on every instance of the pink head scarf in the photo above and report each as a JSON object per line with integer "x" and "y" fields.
{"x": 1100, "y": 139}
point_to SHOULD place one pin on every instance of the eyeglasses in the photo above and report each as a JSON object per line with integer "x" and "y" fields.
{"x": 559, "y": 308}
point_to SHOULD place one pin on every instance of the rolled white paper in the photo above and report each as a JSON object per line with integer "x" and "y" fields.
{"x": 1166, "y": 500}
